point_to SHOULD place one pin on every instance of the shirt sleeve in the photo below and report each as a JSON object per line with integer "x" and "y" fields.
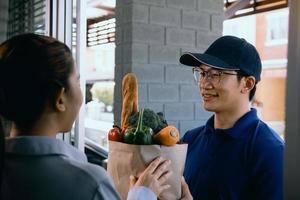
{"x": 106, "y": 191}
{"x": 141, "y": 193}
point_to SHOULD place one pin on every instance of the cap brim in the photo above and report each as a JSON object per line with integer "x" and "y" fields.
{"x": 196, "y": 59}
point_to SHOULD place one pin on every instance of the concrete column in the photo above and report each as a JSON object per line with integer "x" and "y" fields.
{"x": 150, "y": 37}
{"x": 292, "y": 132}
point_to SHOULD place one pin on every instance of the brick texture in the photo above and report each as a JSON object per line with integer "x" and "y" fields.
{"x": 150, "y": 36}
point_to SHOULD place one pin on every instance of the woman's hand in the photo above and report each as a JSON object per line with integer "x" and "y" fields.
{"x": 186, "y": 194}
{"x": 154, "y": 176}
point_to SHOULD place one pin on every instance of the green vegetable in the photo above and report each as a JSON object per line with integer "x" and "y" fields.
{"x": 150, "y": 119}
{"x": 140, "y": 134}
{"x": 163, "y": 122}
{"x": 129, "y": 135}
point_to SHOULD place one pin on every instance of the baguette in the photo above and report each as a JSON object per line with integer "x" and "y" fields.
{"x": 130, "y": 98}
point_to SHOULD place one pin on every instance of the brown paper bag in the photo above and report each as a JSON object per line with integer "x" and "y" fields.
{"x": 126, "y": 159}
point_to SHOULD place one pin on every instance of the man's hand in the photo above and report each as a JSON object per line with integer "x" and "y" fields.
{"x": 186, "y": 194}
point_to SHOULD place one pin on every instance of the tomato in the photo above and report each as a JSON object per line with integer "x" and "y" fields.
{"x": 115, "y": 134}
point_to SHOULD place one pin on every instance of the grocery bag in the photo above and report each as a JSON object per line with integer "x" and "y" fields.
{"x": 127, "y": 159}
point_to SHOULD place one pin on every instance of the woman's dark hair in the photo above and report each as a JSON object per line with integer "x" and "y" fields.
{"x": 252, "y": 92}
{"x": 33, "y": 69}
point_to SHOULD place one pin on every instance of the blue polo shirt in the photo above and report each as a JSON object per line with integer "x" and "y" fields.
{"x": 242, "y": 162}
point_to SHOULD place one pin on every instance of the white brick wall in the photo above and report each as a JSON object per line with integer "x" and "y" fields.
{"x": 188, "y": 93}
{"x": 204, "y": 39}
{"x": 216, "y": 23}
{"x": 163, "y": 93}
{"x": 143, "y": 93}
{"x": 148, "y": 33}
{"x": 164, "y": 16}
{"x": 179, "y": 74}
{"x": 150, "y": 36}
{"x": 139, "y": 53}
{"x": 147, "y": 2}
{"x": 182, "y": 4}
{"x": 196, "y": 20}
{"x": 149, "y": 73}
{"x": 212, "y": 6}
{"x": 179, "y": 111}
{"x": 200, "y": 113}
{"x": 189, "y": 124}
{"x": 180, "y": 37}
{"x": 136, "y": 13}
{"x": 156, "y": 107}
{"x": 164, "y": 54}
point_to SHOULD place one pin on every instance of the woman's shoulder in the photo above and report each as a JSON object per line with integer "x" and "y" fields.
{"x": 89, "y": 171}
{"x": 98, "y": 178}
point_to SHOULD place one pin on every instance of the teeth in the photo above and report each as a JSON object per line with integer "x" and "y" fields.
{"x": 209, "y": 95}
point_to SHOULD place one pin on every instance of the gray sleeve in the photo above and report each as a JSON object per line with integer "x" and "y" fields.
{"x": 141, "y": 193}
{"x": 106, "y": 191}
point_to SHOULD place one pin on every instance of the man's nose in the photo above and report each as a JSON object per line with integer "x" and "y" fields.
{"x": 205, "y": 83}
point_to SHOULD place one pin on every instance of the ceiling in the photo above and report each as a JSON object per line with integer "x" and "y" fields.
{"x": 100, "y": 8}
{"x": 239, "y": 8}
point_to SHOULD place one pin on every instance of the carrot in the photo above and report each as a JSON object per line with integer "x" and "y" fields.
{"x": 130, "y": 98}
{"x": 168, "y": 136}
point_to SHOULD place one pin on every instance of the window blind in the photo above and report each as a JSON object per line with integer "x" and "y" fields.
{"x": 26, "y": 16}
{"x": 101, "y": 32}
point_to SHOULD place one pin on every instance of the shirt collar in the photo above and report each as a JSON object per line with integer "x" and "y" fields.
{"x": 42, "y": 145}
{"x": 240, "y": 127}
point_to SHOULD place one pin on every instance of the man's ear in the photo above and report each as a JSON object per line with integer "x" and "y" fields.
{"x": 248, "y": 84}
{"x": 60, "y": 101}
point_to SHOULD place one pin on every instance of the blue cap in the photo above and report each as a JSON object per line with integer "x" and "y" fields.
{"x": 227, "y": 53}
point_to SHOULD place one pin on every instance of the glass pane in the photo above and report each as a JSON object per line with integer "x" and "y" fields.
{"x": 100, "y": 59}
{"x": 99, "y": 111}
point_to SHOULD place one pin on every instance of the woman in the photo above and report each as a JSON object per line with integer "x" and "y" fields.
{"x": 40, "y": 95}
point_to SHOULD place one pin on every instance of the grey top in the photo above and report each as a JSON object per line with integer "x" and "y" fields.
{"x": 40, "y": 167}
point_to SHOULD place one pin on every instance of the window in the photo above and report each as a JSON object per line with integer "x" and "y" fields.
{"x": 100, "y": 88}
{"x": 99, "y": 111}
{"x": 99, "y": 70}
{"x": 242, "y": 27}
{"x": 26, "y": 16}
{"x": 277, "y": 24}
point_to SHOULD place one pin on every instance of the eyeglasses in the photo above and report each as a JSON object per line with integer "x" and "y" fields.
{"x": 214, "y": 76}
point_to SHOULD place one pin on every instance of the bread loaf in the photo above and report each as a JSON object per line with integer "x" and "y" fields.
{"x": 130, "y": 98}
